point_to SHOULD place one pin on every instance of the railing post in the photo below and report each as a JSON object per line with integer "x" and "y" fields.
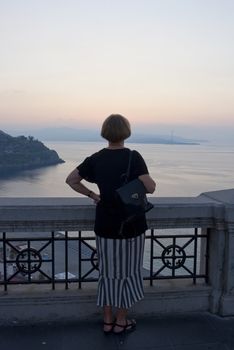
{"x": 216, "y": 266}
{"x": 221, "y": 250}
{"x": 4, "y": 262}
{"x": 203, "y": 250}
{"x": 227, "y": 300}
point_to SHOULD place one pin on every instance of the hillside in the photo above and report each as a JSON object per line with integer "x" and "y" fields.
{"x": 21, "y": 153}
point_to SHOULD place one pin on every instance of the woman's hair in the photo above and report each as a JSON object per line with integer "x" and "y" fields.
{"x": 115, "y": 128}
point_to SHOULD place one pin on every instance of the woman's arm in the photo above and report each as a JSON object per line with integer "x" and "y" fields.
{"x": 148, "y": 182}
{"x": 74, "y": 181}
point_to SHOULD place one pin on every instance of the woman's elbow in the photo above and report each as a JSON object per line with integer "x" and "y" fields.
{"x": 151, "y": 188}
{"x": 149, "y": 183}
{"x": 73, "y": 178}
{"x": 68, "y": 181}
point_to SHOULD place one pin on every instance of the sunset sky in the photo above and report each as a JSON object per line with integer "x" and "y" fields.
{"x": 74, "y": 62}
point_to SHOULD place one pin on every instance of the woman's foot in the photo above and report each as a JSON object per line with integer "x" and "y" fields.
{"x": 108, "y": 319}
{"x": 108, "y": 327}
{"x": 124, "y": 326}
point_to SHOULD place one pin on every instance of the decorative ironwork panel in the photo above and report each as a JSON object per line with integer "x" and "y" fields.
{"x": 173, "y": 256}
{"x": 29, "y": 261}
{"x": 71, "y": 257}
{"x": 178, "y": 256}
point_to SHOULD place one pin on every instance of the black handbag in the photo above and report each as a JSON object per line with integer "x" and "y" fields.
{"x": 132, "y": 196}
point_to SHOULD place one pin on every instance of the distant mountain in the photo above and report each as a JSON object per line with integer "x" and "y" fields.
{"x": 164, "y": 139}
{"x": 89, "y": 135}
{"x": 20, "y": 153}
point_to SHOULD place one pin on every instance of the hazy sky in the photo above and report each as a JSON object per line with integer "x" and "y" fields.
{"x": 74, "y": 62}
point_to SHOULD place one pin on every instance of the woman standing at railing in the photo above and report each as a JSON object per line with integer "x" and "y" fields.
{"x": 120, "y": 257}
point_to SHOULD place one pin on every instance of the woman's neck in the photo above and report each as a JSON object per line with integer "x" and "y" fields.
{"x": 115, "y": 145}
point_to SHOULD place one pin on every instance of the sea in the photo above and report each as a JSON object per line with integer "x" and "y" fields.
{"x": 179, "y": 170}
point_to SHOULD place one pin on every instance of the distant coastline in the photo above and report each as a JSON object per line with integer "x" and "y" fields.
{"x": 91, "y": 135}
{"x": 23, "y": 153}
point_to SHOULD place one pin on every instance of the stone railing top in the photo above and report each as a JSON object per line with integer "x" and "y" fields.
{"x": 80, "y": 201}
{"x": 206, "y": 198}
{"x": 224, "y": 196}
{"x": 54, "y": 213}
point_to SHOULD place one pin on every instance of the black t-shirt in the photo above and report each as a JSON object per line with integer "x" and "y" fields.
{"x": 107, "y": 168}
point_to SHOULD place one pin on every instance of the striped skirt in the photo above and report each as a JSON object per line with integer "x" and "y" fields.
{"x": 120, "y": 267}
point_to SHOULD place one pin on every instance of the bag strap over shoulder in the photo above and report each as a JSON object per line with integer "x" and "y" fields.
{"x": 129, "y": 166}
{"x": 125, "y": 176}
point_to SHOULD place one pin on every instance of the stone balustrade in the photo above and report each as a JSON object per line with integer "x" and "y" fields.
{"x": 212, "y": 210}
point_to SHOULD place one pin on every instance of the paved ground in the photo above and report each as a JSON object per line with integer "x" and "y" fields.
{"x": 176, "y": 332}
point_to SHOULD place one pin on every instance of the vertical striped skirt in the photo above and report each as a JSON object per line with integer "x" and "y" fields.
{"x": 120, "y": 267}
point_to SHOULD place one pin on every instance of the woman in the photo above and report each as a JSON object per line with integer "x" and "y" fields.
{"x": 120, "y": 257}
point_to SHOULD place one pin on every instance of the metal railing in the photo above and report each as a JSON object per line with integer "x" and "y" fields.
{"x": 70, "y": 257}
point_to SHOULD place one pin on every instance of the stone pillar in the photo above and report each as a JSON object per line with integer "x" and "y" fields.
{"x": 227, "y": 300}
{"x": 222, "y": 253}
{"x": 216, "y": 266}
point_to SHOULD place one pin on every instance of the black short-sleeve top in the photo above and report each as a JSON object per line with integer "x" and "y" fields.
{"x": 107, "y": 168}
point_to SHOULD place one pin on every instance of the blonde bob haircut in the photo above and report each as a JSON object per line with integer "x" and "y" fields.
{"x": 115, "y": 128}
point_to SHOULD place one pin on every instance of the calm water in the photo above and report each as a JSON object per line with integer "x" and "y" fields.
{"x": 178, "y": 170}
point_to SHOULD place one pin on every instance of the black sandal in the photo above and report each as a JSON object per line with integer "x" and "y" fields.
{"x": 108, "y": 324}
{"x": 130, "y": 326}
